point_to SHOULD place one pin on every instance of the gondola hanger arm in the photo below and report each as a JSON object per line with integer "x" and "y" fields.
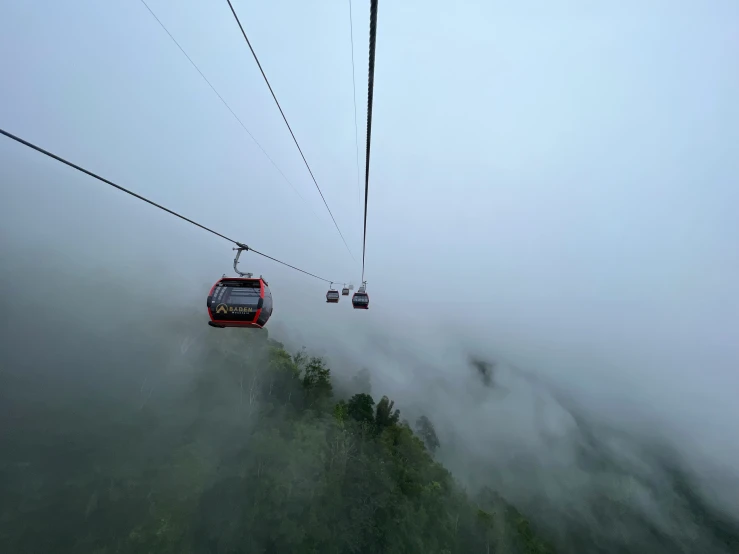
{"x": 239, "y": 250}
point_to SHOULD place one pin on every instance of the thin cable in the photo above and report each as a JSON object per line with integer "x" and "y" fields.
{"x": 290, "y": 266}
{"x": 288, "y": 127}
{"x": 370, "y": 98}
{"x": 354, "y": 97}
{"x": 127, "y": 191}
{"x": 227, "y": 106}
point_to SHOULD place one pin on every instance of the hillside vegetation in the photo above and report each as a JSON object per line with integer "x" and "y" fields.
{"x": 255, "y": 452}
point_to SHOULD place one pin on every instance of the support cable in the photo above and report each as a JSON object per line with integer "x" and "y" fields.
{"x": 226, "y": 104}
{"x": 288, "y": 127}
{"x": 370, "y": 98}
{"x": 135, "y": 195}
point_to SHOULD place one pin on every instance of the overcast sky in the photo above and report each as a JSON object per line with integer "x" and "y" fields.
{"x": 559, "y": 180}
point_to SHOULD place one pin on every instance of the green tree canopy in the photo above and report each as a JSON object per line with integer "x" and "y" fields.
{"x": 268, "y": 460}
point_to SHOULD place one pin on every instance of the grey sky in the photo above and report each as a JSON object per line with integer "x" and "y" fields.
{"x": 565, "y": 176}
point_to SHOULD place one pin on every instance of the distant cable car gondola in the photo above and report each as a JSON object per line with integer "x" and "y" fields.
{"x": 243, "y": 301}
{"x": 332, "y": 296}
{"x": 345, "y": 291}
{"x": 360, "y": 299}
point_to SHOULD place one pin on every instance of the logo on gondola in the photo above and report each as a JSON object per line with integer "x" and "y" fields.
{"x": 222, "y": 309}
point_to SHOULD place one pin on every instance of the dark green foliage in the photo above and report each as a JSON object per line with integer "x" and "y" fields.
{"x": 361, "y": 407}
{"x": 260, "y": 458}
{"x": 384, "y": 414}
{"x": 317, "y": 382}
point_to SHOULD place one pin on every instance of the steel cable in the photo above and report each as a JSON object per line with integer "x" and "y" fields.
{"x": 135, "y": 195}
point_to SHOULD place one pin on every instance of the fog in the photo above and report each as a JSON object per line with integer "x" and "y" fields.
{"x": 552, "y": 191}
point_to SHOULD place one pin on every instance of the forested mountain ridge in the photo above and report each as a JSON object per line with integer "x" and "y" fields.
{"x": 268, "y": 457}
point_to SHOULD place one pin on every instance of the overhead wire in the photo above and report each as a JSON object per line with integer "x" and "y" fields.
{"x": 354, "y": 97}
{"x": 370, "y": 98}
{"x": 154, "y": 15}
{"x": 238, "y": 21}
{"x": 172, "y": 212}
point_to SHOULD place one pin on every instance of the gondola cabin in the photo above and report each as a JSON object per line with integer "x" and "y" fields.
{"x": 332, "y": 296}
{"x": 360, "y": 300}
{"x": 345, "y": 291}
{"x": 240, "y": 302}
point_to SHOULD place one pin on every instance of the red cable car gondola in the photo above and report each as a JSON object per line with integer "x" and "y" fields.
{"x": 360, "y": 299}
{"x": 332, "y": 296}
{"x": 243, "y": 301}
{"x": 345, "y": 291}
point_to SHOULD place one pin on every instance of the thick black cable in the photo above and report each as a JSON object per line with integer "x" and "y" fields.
{"x": 370, "y": 98}
{"x": 354, "y": 97}
{"x": 127, "y": 191}
{"x": 226, "y": 104}
{"x": 288, "y": 127}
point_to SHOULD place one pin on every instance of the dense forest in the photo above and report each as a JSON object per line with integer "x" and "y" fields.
{"x": 257, "y": 452}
